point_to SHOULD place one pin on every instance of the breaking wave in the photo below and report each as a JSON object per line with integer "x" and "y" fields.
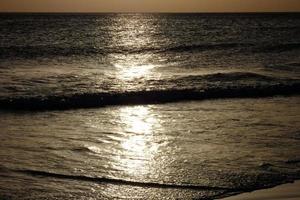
{"x": 213, "y": 86}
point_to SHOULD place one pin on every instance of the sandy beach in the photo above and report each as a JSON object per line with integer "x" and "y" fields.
{"x": 290, "y": 191}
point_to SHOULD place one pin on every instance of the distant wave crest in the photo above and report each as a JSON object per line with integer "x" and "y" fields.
{"x": 56, "y": 50}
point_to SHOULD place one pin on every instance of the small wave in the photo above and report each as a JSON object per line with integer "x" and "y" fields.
{"x": 205, "y": 47}
{"x": 120, "y": 181}
{"x": 266, "y": 165}
{"x": 277, "y": 48}
{"x": 214, "y": 86}
{"x": 238, "y": 76}
{"x": 48, "y": 51}
{"x": 241, "y": 47}
{"x": 3, "y": 169}
{"x": 80, "y": 149}
{"x": 294, "y": 161}
{"x": 91, "y": 149}
{"x": 289, "y": 67}
{"x": 286, "y": 168}
{"x": 53, "y": 50}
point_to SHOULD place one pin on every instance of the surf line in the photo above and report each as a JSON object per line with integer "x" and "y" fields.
{"x": 120, "y": 181}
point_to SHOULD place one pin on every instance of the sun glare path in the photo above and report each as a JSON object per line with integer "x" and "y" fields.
{"x": 132, "y": 72}
{"x": 139, "y": 148}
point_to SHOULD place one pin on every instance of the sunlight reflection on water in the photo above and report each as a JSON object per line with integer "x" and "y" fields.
{"x": 134, "y": 71}
{"x": 136, "y": 64}
{"x": 139, "y": 148}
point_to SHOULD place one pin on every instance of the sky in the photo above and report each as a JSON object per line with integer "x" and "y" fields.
{"x": 149, "y": 5}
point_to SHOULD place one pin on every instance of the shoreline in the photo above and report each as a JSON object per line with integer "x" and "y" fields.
{"x": 286, "y": 191}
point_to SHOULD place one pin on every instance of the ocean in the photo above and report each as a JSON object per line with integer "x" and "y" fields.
{"x": 148, "y": 106}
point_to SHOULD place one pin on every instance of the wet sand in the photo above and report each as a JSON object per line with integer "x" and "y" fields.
{"x": 290, "y": 191}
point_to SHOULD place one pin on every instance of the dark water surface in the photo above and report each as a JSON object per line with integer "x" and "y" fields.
{"x": 105, "y": 106}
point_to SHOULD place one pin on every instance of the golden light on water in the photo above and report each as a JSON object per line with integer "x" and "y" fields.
{"x": 134, "y": 71}
{"x": 139, "y": 62}
{"x": 138, "y": 148}
{"x": 138, "y": 119}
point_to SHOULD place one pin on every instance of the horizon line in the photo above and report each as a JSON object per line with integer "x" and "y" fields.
{"x": 149, "y": 12}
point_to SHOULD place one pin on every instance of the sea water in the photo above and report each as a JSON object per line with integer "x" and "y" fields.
{"x": 147, "y": 106}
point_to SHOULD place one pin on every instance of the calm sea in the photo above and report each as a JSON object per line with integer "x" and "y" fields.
{"x": 147, "y": 106}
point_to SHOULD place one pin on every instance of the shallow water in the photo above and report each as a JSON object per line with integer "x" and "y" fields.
{"x": 151, "y": 151}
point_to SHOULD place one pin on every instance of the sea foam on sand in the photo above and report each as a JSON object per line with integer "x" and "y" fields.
{"x": 290, "y": 191}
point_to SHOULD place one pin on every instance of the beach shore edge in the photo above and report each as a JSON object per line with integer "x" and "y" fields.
{"x": 287, "y": 191}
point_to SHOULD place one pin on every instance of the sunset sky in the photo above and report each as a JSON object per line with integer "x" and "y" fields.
{"x": 149, "y": 5}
